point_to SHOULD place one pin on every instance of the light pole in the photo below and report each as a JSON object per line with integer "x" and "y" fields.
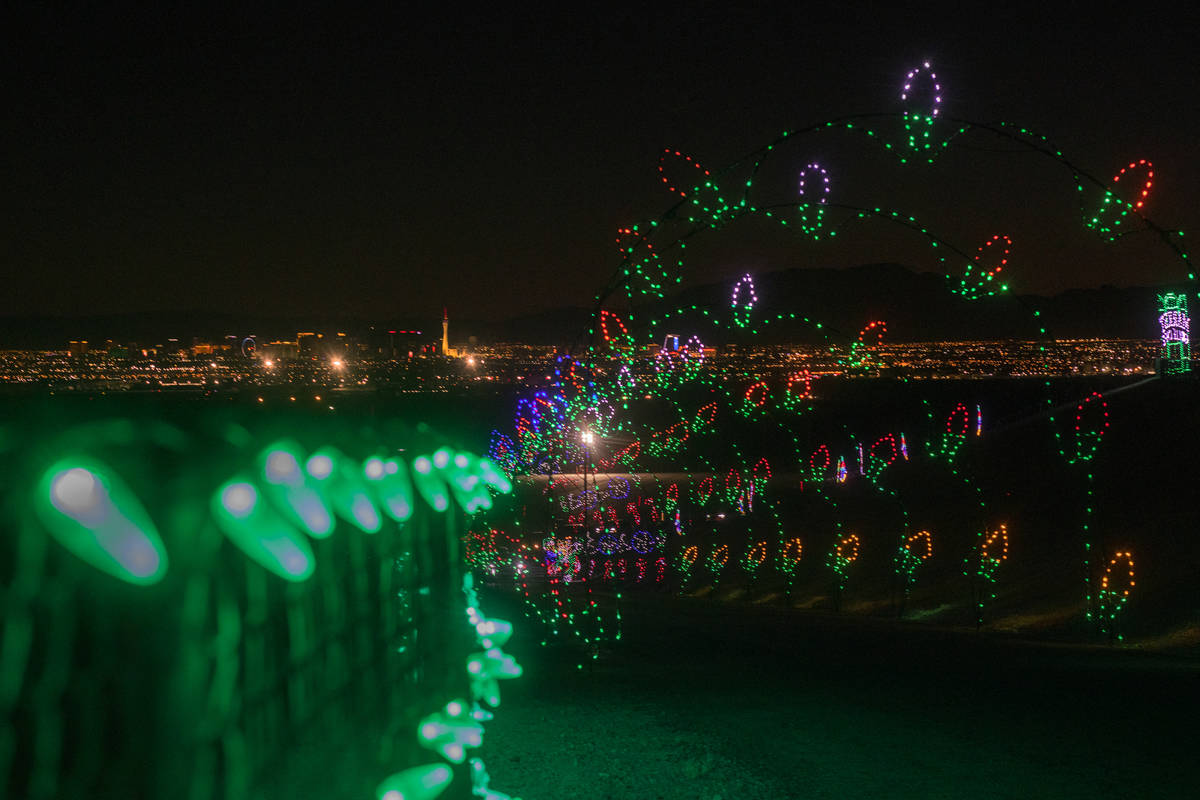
{"x": 586, "y": 436}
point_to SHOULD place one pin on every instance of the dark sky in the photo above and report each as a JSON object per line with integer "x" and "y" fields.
{"x": 380, "y": 163}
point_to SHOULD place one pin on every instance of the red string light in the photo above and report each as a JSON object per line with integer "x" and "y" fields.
{"x": 1145, "y": 193}
{"x": 668, "y": 153}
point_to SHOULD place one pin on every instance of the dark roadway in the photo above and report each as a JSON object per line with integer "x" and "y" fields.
{"x": 703, "y": 700}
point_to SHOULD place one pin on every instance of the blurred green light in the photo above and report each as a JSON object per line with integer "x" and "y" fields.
{"x": 292, "y": 491}
{"x": 320, "y": 466}
{"x": 92, "y": 513}
{"x": 390, "y": 483}
{"x": 261, "y": 532}
{"x": 416, "y": 783}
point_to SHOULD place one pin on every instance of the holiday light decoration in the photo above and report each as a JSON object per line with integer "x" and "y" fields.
{"x": 919, "y": 125}
{"x": 743, "y": 300}
{"x": 90, "y": 511}
{"x": 614, "y": 334}
{"x": 687, "y": 562}
{"x": 788, "y": 558}
{"x": 1176, "y": 351}
{"x": 842, "y": 555}
{"x": 716, "y": 562}
{"x": 567, "y": 609}
{"x": 860, "y": 355}
{"x": 667, "y": 402}
{"x": 1114, "y": 211}
{"x": 910, "y": 80}
{"x": 668, "y": 155}
{"x": 883, "y": 454}
{"x": 756, "y": 397}
{"x": 271, "y": 498}
{"x": 754, "y": 557}
{"x": 1115, "y": 588}
{"x": 913, "y": 552}
{"x": 641, "y": 264}
{"x": 991, "y": 551}
{"x": 1091, "y": 423}
{"x": 818, "y": 463}
{"x": 812, "y": 209}
{"x": 954, "y": 434}
{"x": 793, "y": 398}
{"x": 978, "y": 278}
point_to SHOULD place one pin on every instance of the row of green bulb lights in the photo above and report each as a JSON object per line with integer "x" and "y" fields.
{"x": 458, "y": 726}
{"x": 269, "y": 512}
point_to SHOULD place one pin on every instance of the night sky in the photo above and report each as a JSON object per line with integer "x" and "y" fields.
{"x": 381, "y": 164}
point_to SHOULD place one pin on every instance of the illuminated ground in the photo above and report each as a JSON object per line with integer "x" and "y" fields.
{"x": 706, "y": 701}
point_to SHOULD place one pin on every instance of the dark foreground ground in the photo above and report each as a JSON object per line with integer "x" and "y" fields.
{"x": 709, "y": 701}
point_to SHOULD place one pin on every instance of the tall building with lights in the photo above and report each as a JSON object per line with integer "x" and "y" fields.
{"x": 446, "y": 351}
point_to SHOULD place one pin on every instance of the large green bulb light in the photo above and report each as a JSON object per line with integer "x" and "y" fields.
{"x": 92, "y": 513}
{"x": 260, "y": 531}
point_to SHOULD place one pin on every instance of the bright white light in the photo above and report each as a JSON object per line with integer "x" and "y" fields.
{"x": 281, "y": 467}
{"x": 269, "y": 363}
{"x": 336, "y": 363}
{"x": 239, "y": 498}
{"x": 587, "y": 437}
{"x": 320, "y": 466}
{"x": 76, "y": 492}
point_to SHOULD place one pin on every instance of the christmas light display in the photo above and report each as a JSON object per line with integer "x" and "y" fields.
{"x": 955, "y": 433}
{"x": 788, "y": 559}
{"x": 918, "y": 123}
{"x": 743, "y": 300}
{"x": 687, "y": 428}
{"x": 910, "y": 80}
{"x": 695, "y": 179}
{"x": 754, "y": 557}
{"x": 687, "y": 562}
{"x": 978, "y": 278}
{"x": 641, "y": 264}
{"x": 883, "y": 454}
{"x": 716, "y": 562}
{"x": 793, "y": 398}
{"x": 568, "y": 609}
{"x": 991, "y": 551}
{"x": 843, "y": 554}
{"x": 1114, "y": 211}
{"x": 860, "y": 351}
{"x": 1091, "y": 423}
{"x": 1176, "y": 351}
{"x": 913, "y": 552}
{"x": 248, "y": 514}
{"x": 673, "y": 409}
{"x": 755, "y": 397}
{"x": 457, "y": 726}
{"x": 818, "y": 463}
{"x": 812, "y": 209}
{"x": 1115, "y": 588}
